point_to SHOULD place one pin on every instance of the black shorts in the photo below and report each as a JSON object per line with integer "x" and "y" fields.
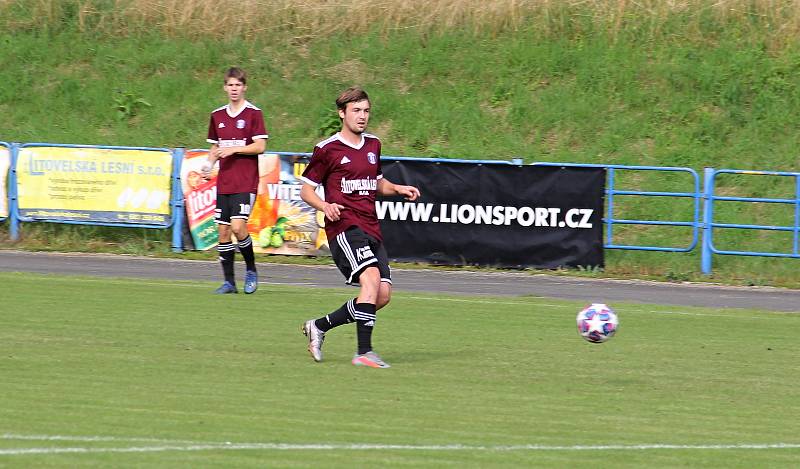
{"x": 230, "y": 206}
{"x": 353, "y": 251}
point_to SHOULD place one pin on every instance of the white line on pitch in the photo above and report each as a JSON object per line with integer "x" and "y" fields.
{"x": 176, "y": 446}
{"x": 766, "y": 315}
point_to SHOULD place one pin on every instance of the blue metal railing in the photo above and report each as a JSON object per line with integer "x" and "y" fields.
{"x": 701, "y": 222}
{"x": 612, "y": 191}
{"x": 516, "y": 161}
{"x": 709, "y": 225}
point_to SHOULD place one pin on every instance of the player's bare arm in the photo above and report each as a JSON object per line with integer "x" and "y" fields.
{"x": 332, "y": 211}
{"x": 386, "y": 187}
{"x": 205, "y": 170}
{"x": 216, "y": 153}
{"x": 256, "y": 148}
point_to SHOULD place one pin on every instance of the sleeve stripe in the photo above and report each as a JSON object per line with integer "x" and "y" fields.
{"x": 211, "y": 141}
{"x": 309, "y": 181}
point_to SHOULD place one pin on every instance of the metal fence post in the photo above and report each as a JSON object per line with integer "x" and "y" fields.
{"x": 610, "y": 206}
{"x": 177, "y": 200}
{"x": 708, "y": 216}
{"x": 797, "y": 215}
{"x": 13, "y": 210}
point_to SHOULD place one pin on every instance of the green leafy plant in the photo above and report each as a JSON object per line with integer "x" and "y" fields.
{"x": 128, "y": 104}
{"x": 329, "y": 123}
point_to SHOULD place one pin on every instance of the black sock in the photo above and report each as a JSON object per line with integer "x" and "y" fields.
{"x": 365, "y": 321}
{"x": 343, "y": 315}
{"x": 226, "y": 253}
{"x": 246, "y": 248}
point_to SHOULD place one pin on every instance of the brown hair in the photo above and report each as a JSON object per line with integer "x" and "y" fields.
{"x": 238, "y": 73}
{"x": 353, "y": 94}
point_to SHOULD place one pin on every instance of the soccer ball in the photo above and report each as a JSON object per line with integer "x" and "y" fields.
{"x": 597, "y": 323}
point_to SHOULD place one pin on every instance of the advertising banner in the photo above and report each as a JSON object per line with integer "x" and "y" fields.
{"x": 97, "y": 185}
{"x": 200, "y": 199}
{"x": 495, "y": 215}
{"x": 280, "y": 222}
{"x": 5, "y": 163}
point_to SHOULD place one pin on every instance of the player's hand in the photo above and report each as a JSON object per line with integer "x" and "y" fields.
{"x": 205, "y": 169}
{"x": 410, "y": 192}
{"x": 333, "y": 211}
{"x": 224, "y": 152}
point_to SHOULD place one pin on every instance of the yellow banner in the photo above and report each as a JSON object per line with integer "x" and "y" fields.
{"x": 5, "y": 163}
{"x": 94, "y": 185}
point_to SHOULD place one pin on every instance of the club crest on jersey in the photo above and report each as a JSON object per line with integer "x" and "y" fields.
{"x": 240, "y": 124}
{"x": 371, "y": 157}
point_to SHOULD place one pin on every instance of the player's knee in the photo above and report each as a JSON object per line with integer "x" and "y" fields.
{"x": 224, "y": 233}
{"x": 384, "y": 295}
{"x": 370, "y": 281}
{"x": 370, "y": 278}
{"x": 241, "y": 233}
{"x": 382, "y": 301}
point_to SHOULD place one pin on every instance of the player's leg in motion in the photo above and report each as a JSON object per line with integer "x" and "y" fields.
{"x": 241, "y": 213}
{"x": 225, "y": 248}
{"x": 354, "y": 256}
{"x": 360, "y": 310}
{"x": 365, "y": 315}
{"x": 383, "y": 296}
{"x": 315, "y": 329}
{"x": 226, "y": 253}
{"x": 246, "y": 248}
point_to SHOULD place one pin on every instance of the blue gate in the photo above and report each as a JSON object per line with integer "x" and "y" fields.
{"x": 709, "y": 225}
{"x": 612, "y": 192}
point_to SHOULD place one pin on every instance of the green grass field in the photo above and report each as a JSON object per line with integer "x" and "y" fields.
{"x": 120, "y": 373}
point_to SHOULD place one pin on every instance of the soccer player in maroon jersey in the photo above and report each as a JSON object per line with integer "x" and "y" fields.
{"x": 237, "y": 136}
{"x": 348, "y": 168}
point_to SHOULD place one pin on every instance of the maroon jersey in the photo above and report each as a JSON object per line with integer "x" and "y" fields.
{"x": 349, "y": 175}
{"x": 237, "y": 173}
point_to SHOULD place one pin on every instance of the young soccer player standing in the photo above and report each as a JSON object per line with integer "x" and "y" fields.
{"x": 237, "y": 136}
{"x": 347, "y": 166}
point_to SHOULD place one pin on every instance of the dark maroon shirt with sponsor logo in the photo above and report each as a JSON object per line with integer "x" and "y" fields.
{"x": 349, "y": 175}
{"x": 237, "y": 173}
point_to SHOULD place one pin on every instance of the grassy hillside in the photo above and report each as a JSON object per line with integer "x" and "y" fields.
{"x": 697, "y": 84}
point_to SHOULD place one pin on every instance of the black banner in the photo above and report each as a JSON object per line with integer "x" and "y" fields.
{"x": 495, "y": 215}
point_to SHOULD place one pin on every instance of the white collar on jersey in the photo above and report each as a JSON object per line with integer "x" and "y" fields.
{"x": 228, "y": 108}
{"x": 355, "y": 147}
